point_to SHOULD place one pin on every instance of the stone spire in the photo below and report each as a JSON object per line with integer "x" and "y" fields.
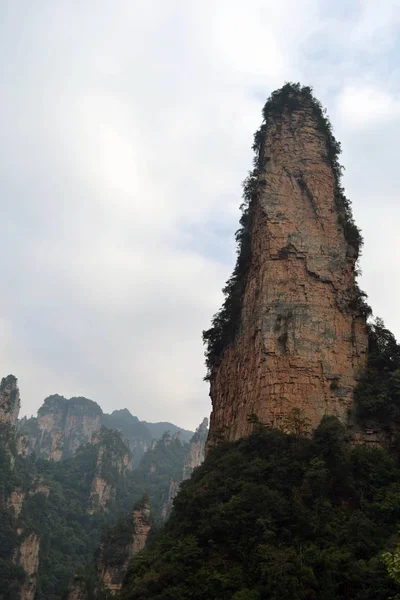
{"x": 9, "y": 400}
{"x": 292, "y": 331}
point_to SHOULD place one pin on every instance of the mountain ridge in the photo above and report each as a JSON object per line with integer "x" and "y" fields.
{"x": 63, "y": 424}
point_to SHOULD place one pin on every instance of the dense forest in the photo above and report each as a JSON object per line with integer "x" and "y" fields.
{"x": 294, "y": 516}
{"x": 277, "y": 516}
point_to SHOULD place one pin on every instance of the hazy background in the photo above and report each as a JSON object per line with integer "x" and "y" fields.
{"x": 126, "y": 128}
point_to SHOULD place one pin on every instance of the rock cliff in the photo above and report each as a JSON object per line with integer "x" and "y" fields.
{"x": 172, "y": 492}
{"x": 9, "y": 400}
{"x": 292, "y": 331}
{"x": 113, "y": 460}
{"x": 123, "y": 541}
{"x": 135, "y": 432}
{"x": 62, "y": 425}
{"x": 16, "y": 501}
{"x": 195, "y": 455}
{"x": 27, "y": 556}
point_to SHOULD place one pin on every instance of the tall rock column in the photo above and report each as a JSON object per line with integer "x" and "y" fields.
{"x": 118, "y": 548}
{"x": 300, "y": 337}
{"x": 27, "y": 555}
{"x": 9, "y": 400}
{"x": 195, "y": 456}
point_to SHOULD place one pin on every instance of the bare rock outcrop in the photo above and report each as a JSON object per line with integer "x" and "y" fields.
{"x": 300, "y": 339}
{"x": 195, "y": 456}
{"x": 16, "y": 500}
{"x": 172, "y": 492}
{"x": 39, "y": 487}
{"x": 142, "y": 526}
{"x": 27, "y": 556}
{"x": 113, "y": 559}
{"x": 62, "y": 426}
{"x": 9, "y": 400}
{"x": 113, "y": 460}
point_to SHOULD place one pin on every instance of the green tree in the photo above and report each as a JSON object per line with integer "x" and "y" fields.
{"x": 296, "y": 423}
{"x": 392, "y": 563}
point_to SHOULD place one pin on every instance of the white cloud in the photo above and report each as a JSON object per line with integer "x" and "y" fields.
{"x": 362, "y": 106}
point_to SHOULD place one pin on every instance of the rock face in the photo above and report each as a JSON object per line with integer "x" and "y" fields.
{"x": 158, "y": 429}
{"x": 113, "y": 559}
{"x": 301, "y": 342}
{"x": 195, "y": 456}
{"x": 142, "y": 526}
{"x": 113, "y": 460}
{"x": 27, "y": 555}
{"x": 135, "y": 432}
{"x": 61, "y": 426}
{"x": 9, "y": 400}
{"x": 167, "y": 506}
{"x": 16, "y": 501}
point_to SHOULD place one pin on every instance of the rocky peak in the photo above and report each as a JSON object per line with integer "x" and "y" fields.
{"x": 142, "y": 526}
{"x": 27, "y": 556}
{"x": 195, "y": 455}
{"x": 9, "y": 400}
{"x": 113, "y": 460}
{"x": 122, "y": 542}
{"x": 292, "y": 331}
{"x": 62, "y": 425}
{"x": 172, "y": 493}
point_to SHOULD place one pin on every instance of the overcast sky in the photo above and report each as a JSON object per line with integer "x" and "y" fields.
{"x": 125, "y": 136}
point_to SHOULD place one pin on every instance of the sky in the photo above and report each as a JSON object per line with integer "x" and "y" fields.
{"x": 126, "y": 131}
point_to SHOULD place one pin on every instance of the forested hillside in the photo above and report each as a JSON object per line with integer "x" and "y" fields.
{"x": 278, "y": 516}
{"x": 56, "y": 514}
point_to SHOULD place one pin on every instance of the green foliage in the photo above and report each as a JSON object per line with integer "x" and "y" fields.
{"x": 334, "y": 385}
{"x": 378, "y": 393}
{"x": 253, "y": 419}
{"x": 6, "y": 382}
{"x": 76, "y": 405}
{"x": 157, "y": 468}
{"x": 226, "y": 322}
{"x": 69, "y": 535}
{"x": 296, "y": 423}
{"x": 392, "y": 563}
{"x": 277, "y": 516}
{"x": 135, "y": 432}
{"x": 158, "y": 429}
{"x": 293, "y": 96}
{"x": 115, "y": 542}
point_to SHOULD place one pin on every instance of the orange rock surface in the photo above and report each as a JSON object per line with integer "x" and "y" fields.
{"x": 299, "y": 344}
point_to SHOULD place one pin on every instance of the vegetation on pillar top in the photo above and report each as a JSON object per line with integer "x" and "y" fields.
{"x": 226, "y": 321}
